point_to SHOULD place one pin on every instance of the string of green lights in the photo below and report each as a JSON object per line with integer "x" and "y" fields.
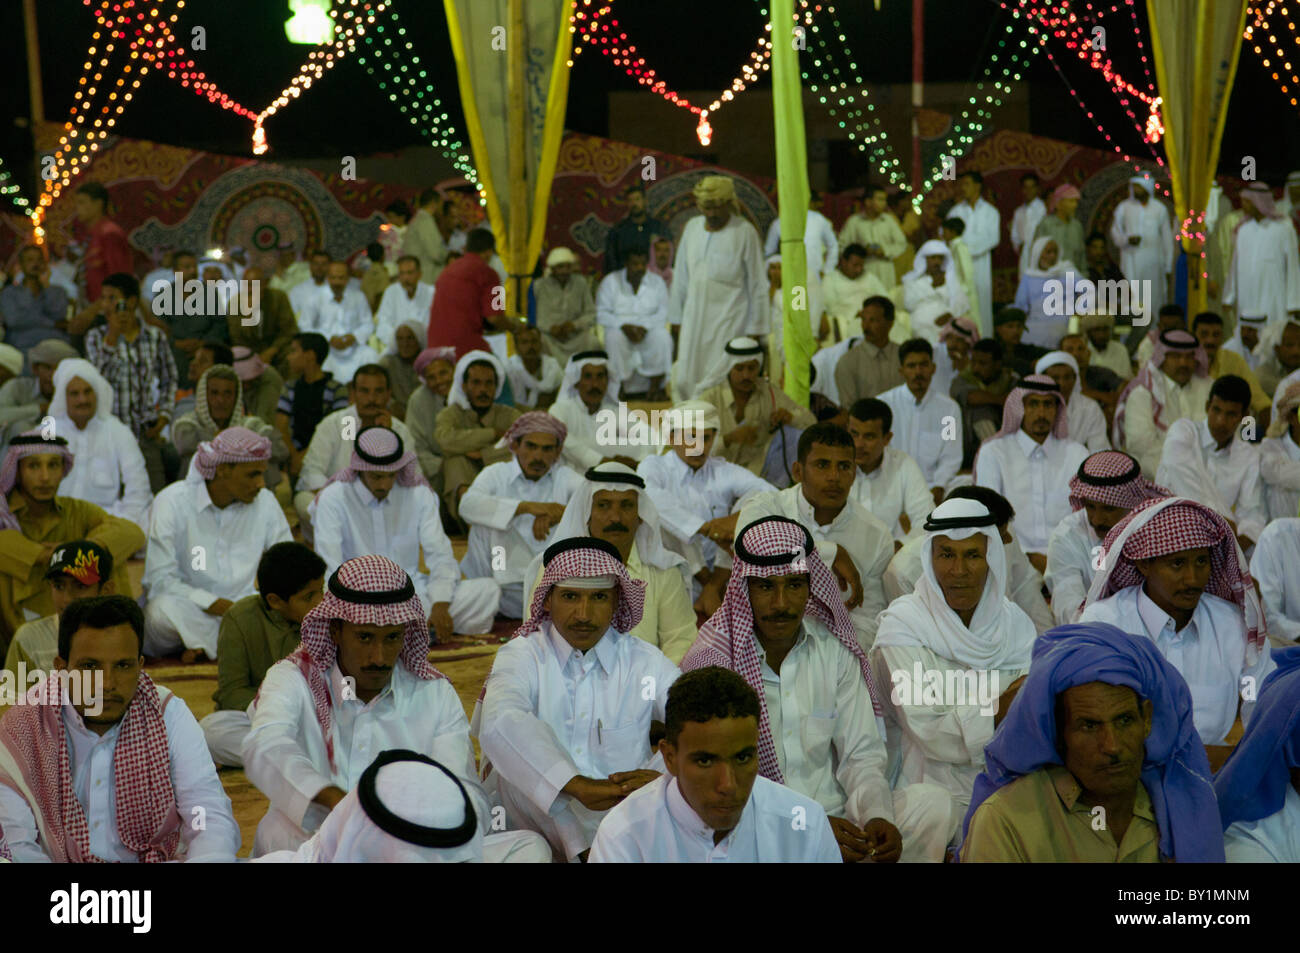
{"x": 10, "y": 188}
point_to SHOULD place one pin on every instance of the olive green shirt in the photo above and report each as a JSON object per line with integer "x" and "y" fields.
{"x": 252, "y": 638}
{"x": 1039, "y": 818}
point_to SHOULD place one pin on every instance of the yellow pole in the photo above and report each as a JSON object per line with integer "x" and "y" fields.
{"x": 33, "y": 64}
{"x": 517, "y": 225}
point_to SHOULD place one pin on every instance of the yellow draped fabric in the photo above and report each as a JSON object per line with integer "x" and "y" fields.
{"x": 512, "y": 65}
{"x": 1196, "y": 44}
{"x": 792, "y": 193}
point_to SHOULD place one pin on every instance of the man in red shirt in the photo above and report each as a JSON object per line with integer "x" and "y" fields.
{"x": 107, "y": 251}
{"x": 467, "y": 294}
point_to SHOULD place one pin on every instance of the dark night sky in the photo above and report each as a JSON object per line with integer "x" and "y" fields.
{"x": 345, "y": 113}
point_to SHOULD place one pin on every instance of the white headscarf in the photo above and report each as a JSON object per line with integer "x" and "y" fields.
{"x": 1000, "y": 635}
{"x": 573, "y": 373}
{"x": 721, "y": 367}
{"x": 76, "y": 367}
{"x": 932, "y": 247}
{"x": 1051, "y": 359}
{"x": 1036, "y": 252}
{"x": 457, "y": 393}
{"x": 649, "y": 536}
{"x": 412, "y": 791}
{"x": 418, "y": 328}
{"x": 1145, "y": 182}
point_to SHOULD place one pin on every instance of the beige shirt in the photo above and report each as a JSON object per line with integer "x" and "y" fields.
{"x": 758, "y": 412}
{"x": 867, "y": 371}
{"x": 1039, "y": 818}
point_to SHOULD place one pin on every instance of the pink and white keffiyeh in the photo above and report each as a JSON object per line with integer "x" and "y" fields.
{"x": 583, "y": 557}
{"x": 1112, "y": 478}
{"x": 380, "y": 450}
{"x": 148, "y": 822}
{"x": 773, "y": 546}
{"x": 1062, "y": 192}
{"x": 368, "y": 590}
{"x": 1152, "y": 378}
{"x": 1013, "y": 409}
{"x": 535, "y": 421}
{"x": 431, "y": 354}
{"x": 232, "y": 445}
{"x": 30, "y": 443}
{"x": 1172, "y": 524}
{"x": 963, "y": 328}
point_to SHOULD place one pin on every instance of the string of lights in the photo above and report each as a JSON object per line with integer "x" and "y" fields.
{"x": 1278, "y": 58}
{"x": 13, "y": 190}
{"x": 407, "y": 87}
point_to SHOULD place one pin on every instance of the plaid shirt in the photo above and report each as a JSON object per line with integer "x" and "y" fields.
{"x": 142, "y": 372}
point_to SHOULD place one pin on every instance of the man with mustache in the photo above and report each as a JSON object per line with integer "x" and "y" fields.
{"x": 513, "y": 507}
{"x": 1095, "y": 762}
{"x": 1029, "y": 461}
{"x": 358, "y": 684}
{"x": 854, "y": 544}
{"x": 783, "y": 628}
{"x": 1172, "y": 572}
{"x": 1108, "y": 485}
{"x": 712, "y": 806}
{"x": 613, "y": 505}
{"x": 1174, "y": 384}
{"x": 467, "y": 430}
{"x": 588, "y": 406}
{"x": 114, "y": 772}
{"x": 566, "y": 715}
{"x": 380, "y": 503}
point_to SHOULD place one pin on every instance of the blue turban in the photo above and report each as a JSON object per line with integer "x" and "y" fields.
{"x": 1176, "y": 771}
{"x": 1252, "y": 784}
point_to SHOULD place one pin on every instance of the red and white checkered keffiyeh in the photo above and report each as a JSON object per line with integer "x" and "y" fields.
{"x": 583, "y": 562}
{"x": 232, "y": 445}
{"x": 317, "y": 653}
{"x": 380, "y": 450}
{"x": 1013, "y": 409}
{"x": 148, "y": 823}
{"x": 727, "y": 638}
{"x": 1172, "y": 524}
{"x": 535, "y": 421}
{"x": 1112, "y": 478}
{"x": 1153, "y": 378}
{"x": 30, "y": 443}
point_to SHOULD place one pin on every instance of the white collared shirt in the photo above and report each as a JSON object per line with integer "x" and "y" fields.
{"x": 1035, "y": 477}
{"x": 1275, "y": 565}
{"x": 656, "y": 825}
{"x": 1209, "y": 652}
{"x": 824, "y": 727}
{"x": 1226, "y": 480}
{"x": 397, "y": 306}
{"x": 1072, "y": 558}
{"x": 349, "y": 522}
{"x": 284, "y": 751}
{"x": 194, "y": 780}
{"x": 330, "y": 449}
{"x": 489, "y": 505}
{"x": 1279, "y": 468}
{"x": 551, "y": 713}
{"x": 110, "y": 470}
{"x": 687, "y": 498}
{"x": 203, "y": 553}
{"x": 867, "y": 540}
{"x": 922, "y": 428}
{"x": 894, "y": 488}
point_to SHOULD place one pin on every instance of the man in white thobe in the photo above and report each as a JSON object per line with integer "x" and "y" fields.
{"x": 382, "y": 504}
{"x": 676, "y": 819}
{"x": 932, "y": 293}
{"x": 846, "y": 287}
{"x": 852, "y": 542}
{"x": 565, "y": 715}
{"x": 588, "y": 406}
{"x": 1173, "y": 573}
{"x": 1208, "y": 461}
{"x": 409, "y": 298}
{"x": 821, "y": 250}
{"x": 1279, "y": 456}
{"x": 782, "y": 630}
{"x": 206, "y": 536}
{"x": 1246, "y": 337}
{"x": 1143, "y": 231}
{"x": 110, "y": 470}
{"x": 887, "y": 482}
{"x": 927, "y": 423}
{"x": 304, "y": 288}
{"x": 719, "y": 288}
{"x": 877, "y": 231}
{"x": 982, "y": 234}
{"x": 1030, "y": 460}
{"x": 342, "y": 314}
{"x": 1026, "y": 218}
{"x": 358, "y": 685}
{"x": 514, "y": 506}
{"x": 1273, "y": 566}
{"x": 1172, "y": 385}
{"x": 1264, "y": 276}
{"x": 1108, "y": 485}
{"x": 632, "y": 307}
{"x": 1024, "y": 582}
